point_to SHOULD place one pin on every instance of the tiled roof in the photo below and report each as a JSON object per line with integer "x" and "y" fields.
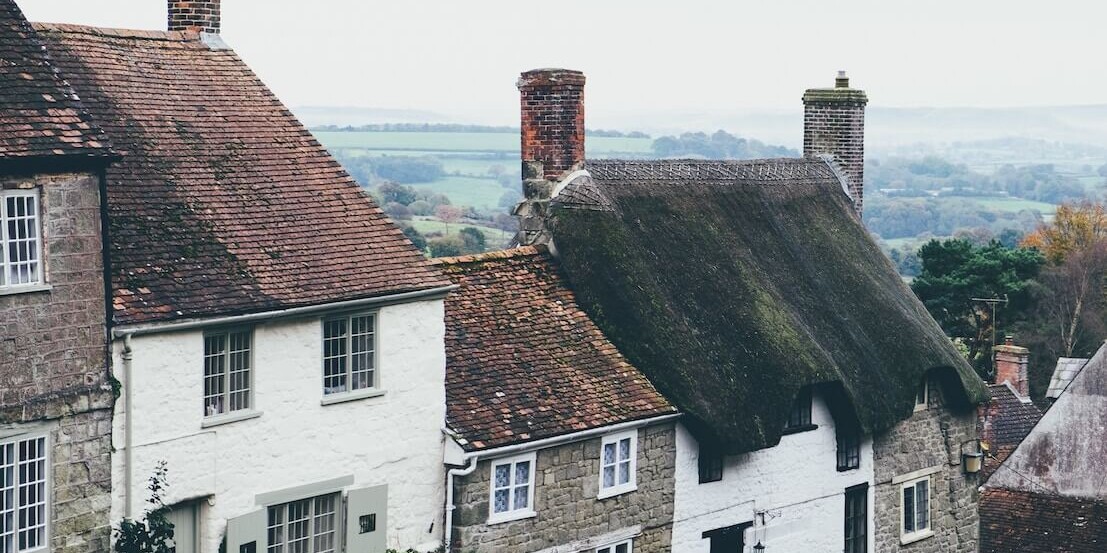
{"x": 524, "y": 362}
{"x": 1027, "y": 522}
{"x": 222, "y": 203}
{"x": 1007, "y": 419}
{"x": 40, "y": 114}
{"x": 1066, "y": 369}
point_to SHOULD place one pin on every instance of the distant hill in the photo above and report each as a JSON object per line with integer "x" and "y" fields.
{"x": 319, "y": 116}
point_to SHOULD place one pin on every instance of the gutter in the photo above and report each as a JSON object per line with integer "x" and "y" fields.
{"x": 473, "y": 457}
{"x": 140, "y": 329}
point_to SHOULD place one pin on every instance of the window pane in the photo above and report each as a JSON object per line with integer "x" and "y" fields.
{"x": 214, "y": 374}
{"x": 361, "y": 352}
{"x": 621, "y": 548}
{"x": 276, "y": 529}
{"x": 499, "y": 504}
{"x": 334, "y": 356}
{"x": 624, "y": 472}
{"x": 624, "y": 449}
{"x": 609, "y": 476}
{"x": 522, "y": 472}
{"x": 922, "y": 499}
{"x": 909, "y": 509}
{"x": 503, "y": 475}
{"x": 521, "y": 498}
{"x": 239, "y": 354}
{"x": 608, "y": 454}
{"x": 324, "y": 524}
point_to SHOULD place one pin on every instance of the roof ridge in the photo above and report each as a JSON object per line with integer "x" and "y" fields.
{"x": 510, "y": 253}
{"x": 119, "y": 32}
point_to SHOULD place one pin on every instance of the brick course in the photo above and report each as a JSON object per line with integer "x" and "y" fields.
{"x": 929, "y": 438}
{"x": 53, "y": 365}
{"x": 191, "y": 15}
{"x": 566, "y": 484}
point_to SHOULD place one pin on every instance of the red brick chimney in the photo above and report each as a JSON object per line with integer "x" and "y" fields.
{"x": 192, "y": 15}
{"x": 1010, "y": 366}
{"x": 834, "y": 124}
{"x": 552, "y": 102}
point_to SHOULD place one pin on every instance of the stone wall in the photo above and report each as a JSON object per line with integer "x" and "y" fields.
{"x": 53, "y": 363}
{"x": 565, "y": 500}
{"x": 929, "y": 438}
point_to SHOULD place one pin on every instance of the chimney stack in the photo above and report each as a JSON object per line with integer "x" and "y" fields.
{"x": 192, "y": 15}
{"x": 1010, "y": 366}
{"x": 834, "y": 124}
{"x": 551, "y": 142}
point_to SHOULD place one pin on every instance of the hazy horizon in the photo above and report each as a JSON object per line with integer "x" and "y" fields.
{"x": 462, "y": 59}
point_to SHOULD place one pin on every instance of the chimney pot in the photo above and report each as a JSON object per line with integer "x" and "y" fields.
{"x": 842, "y": 81}
{"x": 194, "y": 15}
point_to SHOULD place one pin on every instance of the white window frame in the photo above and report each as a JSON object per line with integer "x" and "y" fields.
{"x": 5, "y": 270}
{"x": 917, "y": 534}
{"x": 337, "y": 528}
{"x": 44, "y": 501}
{"x": 511, "y": 514}
{"x": 228, "y": 413}
{"x": 375, "y": 388}
{"x": 631, "y": 484}
{"x": 611, "y": 547}
{"x": 924, "y": 388}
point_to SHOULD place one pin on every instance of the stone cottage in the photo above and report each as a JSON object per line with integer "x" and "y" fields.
{"x": 55, "y": 393}
{"x": 278, "y": 341}
{"x": 559, "y": 444}
{"x": 823, "y": 408}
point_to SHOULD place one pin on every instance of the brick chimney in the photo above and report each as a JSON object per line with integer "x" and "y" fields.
{"x": 834, "y": 124}
{"x": 551, "y": 141}
{"x": 192, "y": 15}
{"x": 1010, "y": 366}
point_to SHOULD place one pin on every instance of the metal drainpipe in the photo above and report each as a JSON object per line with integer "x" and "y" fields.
{"x": 464, "y": 471}
{"x": 127, "y": 437}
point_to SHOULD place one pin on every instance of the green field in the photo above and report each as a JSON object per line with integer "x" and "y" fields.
{"x": 478, "y": 193}
{"x": 1015, "y": 205}
{"x": 466, "y": 142}
{"x": 496, "y": 238}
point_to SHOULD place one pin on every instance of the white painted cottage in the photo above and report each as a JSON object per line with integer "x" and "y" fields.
{"x": 278, "y": 342}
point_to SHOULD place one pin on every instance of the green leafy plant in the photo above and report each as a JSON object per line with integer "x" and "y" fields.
{"x": 153, "y": 533}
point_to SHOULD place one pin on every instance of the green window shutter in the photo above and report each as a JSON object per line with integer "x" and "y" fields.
{"x": 248, "y": 533}
{"x": 367, "y": 519}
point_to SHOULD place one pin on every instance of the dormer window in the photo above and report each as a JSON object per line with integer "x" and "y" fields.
{"x": 922, "y": 395}
{"x": 849, "y": 448}
{"x": 710, "y": 463}
{"x": 20, "y": 240}
{"x": 799, "y": 418}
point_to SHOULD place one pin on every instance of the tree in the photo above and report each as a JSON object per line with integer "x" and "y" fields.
{"x": 446, "y": 246}
{"x": 153, "y": 532}
{"x": 397, "y": 211}
{"x": 473, "y": 239}
{"x": 955, "y": 271}
{"x": 416, "y": 237}
{"x": 397, "y": 193}
{"x": 448, "y": 214}
{"x": 1075, "y": 226}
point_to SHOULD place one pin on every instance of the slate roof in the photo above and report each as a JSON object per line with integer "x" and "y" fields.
{"x": 1066, "y": 452}
{"x": 1027, "y": 522}
{"x": 524, "y": 362}
{"x": 222, "y": 203}
{"x": 1066, "y": 368}
{"x": 1007, "y": 420}
{"x": 734, "y": 284}
{"x": 40, "y": 114}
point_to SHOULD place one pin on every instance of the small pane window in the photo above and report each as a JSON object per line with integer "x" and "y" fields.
{"x": 349, "y": 354}
{"x": 857, "y": 519}
{"x": 617, "y": 463}
{"x": 228, "y": 381}
{"x": 621, "y": 547}
{"x": 23, "y": 495}
{"x": 304, "y": 526}
{"x": 916, "y": 508}
{"x": 512, "y": 488}
{"x": 710, "y": 463}
{"x": 799, "y": 418}
{"x": 20, "y": 239}
{"x": 849, "y": 449}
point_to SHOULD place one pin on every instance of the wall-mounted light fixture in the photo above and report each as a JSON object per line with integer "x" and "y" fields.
{"x": 759, "y": 548}
{"x": 972, "y": 458}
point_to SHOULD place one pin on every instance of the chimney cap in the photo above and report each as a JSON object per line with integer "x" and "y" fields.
{"x": 549, "y": 76}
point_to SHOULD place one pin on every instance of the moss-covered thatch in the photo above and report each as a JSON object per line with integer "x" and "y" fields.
{"x": 732, "y": 285}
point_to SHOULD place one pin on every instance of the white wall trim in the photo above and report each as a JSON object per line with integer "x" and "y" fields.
{"x": 592, "y": 543}
{"x": 917, "y": 474}
{"x": 305, "y": 491}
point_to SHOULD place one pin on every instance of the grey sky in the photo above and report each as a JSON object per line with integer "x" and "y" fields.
{"x": 461, "y": 57}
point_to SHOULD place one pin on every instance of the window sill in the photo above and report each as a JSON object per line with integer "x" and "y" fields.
{"x": 920, "y": 407}
{"x": 798, "y": 429}
{"x": 510, "y": 516}
{"x": 26, "y": 289}
{"x": 918, "y": 536}
{"x": 617, "y": 490}
{"x": 343, "y": 397}
{"x": 219, "y": 420}
{"x": 847, "y": 469}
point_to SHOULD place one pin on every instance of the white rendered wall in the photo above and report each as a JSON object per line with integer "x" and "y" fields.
{"x": 393, "y": 439}
{"x": 797, "y": 483}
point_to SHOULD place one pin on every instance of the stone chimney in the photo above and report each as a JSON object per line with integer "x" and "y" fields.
{"x": 834, "y": 124}
{"x": 192, "y": 15}
{"x": 1010, "y": 366}
{"x": 551, "y": 142}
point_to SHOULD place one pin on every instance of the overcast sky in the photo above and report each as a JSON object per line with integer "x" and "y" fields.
{"x": 462, "y": 57}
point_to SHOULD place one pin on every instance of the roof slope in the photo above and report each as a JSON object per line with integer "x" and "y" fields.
{"x": 524, "y": 362}
{"x": 1038, "y": 523}
{"x": 1066, "y": 368}
{"x": 1007, "y": 420}
{"x": 732, "y": 285}
{"x": 40, "y": 114}
{"x": 223, "y": 203}
{"x": 1067, "y": 450}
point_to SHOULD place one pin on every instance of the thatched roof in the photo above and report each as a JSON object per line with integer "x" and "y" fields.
{"x": 732, "y": 285}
